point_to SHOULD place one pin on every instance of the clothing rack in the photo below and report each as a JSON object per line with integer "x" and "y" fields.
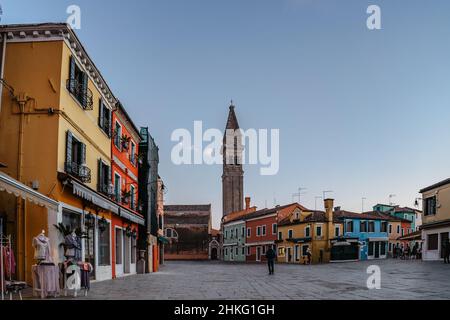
{"x": 5, "y": 241}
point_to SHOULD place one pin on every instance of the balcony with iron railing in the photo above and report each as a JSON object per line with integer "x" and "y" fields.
{"x": 80, "y": 171}
{"x": 82, "y": 94}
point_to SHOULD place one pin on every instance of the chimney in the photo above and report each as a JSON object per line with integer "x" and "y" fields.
{"x": 329, "y": 205}
{"x": 247, "y": 203}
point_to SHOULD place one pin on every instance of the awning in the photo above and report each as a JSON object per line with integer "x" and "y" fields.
{"x": 101, "y": 201}
{"x": 379, "y": 239}
{"x": 163, "y": 240}
{"x": 12, "y": 186}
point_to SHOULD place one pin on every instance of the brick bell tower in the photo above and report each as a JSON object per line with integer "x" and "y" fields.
{"x": 233, "y": 174}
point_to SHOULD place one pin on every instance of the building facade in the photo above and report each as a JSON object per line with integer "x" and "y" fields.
{"x": 55, "y": 113}
{"x": 234, "y": 241}
{"x": 435, "y": 219}
{"x": 306, "y": 230}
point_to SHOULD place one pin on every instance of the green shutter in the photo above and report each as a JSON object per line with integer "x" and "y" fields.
{"x": 100, "y": 113}
{"x": 68, "y": 152}
{"x": 100, "y": 175}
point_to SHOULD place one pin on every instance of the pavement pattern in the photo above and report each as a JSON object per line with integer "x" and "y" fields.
{"x": 404, "y": 280}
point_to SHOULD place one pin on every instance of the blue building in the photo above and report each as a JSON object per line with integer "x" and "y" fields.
{"x": 365, "y": 236}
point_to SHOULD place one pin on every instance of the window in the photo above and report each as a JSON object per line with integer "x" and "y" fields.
{"x": 307, "y": 232}
{"x": 117, "y": 185}
{"x": 226, "y": 251}
{"x": 71, "y": 219}
{"x": 318, "y": 231}
{"x": 249, "y": 232}
{"x": 248, "y": 251}
{"x": 226, "y": 234}
{"x": 258, "y": 231}
{"x": 264, "y": 248}
{"x": 390, "y": 229}
{"x": 264, "y": 230}
{"x": 132, "y": 200}
{"x": 133, "y": 250}
{"x": 297, "y": 252}
{"x": 280, "y": 235}
{"x": 281, "y": 251}
{"x": 403, "y": 231}
{"x": 77, "y": 84}
{"x": 363, "y": 226}
{"x": 243, "y": 232}
{"x": 104, "y": 177}
{"x": 118, "y": 136}
{"x": 274, "y": 228}
{"x": 236, "y": 232}
{"x": 232, "y": 233}
{"x": 290, "y": 234}
{"x": 169, "y": 233}
{"x": 243, "y": 251}
{"x": 349, "y": 226}
{"x": 133, "y": 154}
{"x": 384, "y": 227}
{"x": 433, "y": 240}
{"x": 119, "y": 245}
{"x": 75, "y": 163}
{"x": 236, "y": 250}
{"x": 398, "y": 229}
{"x": 390, "y": 247}
{"x": 429, "y": 206}
{"x": 337, "y": 231}
{"x": 104, "y": 118}
{"x": 104, "y": 246}
{"x": 371, "y": 226}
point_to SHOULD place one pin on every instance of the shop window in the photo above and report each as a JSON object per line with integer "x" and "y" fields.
{"x": 71, "y": 220}
{"x": 371, "y": 244}
{"x": 104, "y": 245}
{"x": 382, "y": 248}
{"x": 133, "y": 250}
{"x": 305, "y": 250}
{"x": 430, "y": 206}
{"x": 433, "y": 240}
{"x": 119, "y": 245}
{"x": 281, "y": 251}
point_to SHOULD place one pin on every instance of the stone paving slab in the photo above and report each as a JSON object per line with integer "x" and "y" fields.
{"x": 221, "y": 281}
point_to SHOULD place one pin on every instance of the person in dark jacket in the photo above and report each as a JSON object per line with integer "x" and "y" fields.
{"x": 270, "y": 256}
{"x": 446, "y": 249}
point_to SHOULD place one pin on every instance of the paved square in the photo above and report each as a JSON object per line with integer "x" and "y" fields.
{"x": 217, "y": 280}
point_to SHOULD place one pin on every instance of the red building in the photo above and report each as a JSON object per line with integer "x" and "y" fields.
{"x": 261, "y": 231}
{"x": 124, "y": 175}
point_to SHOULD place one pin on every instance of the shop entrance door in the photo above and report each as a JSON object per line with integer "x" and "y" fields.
{"x": 119, "y": 251}
{"x": 444, "y": 238}
{"x": 90, "y": 245}
{"x": 127, "y": 254}
{"x": 377, "y": 249}
{"x": 258, "y": 253}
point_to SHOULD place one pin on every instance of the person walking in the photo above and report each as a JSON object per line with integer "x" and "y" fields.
{"x": 308, "y": 254}
{"x": 270, "y": 256}
{"x": 394, "y": 252}
{"x": 414, "y": 251}
{"x": 446, "y": 249}
{"x": 407, "y": 251}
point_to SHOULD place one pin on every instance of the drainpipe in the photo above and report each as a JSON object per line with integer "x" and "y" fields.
{"x": 2, "y": 65}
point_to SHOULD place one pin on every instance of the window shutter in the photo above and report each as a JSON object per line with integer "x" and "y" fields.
{"x": 100, "y": 113}
{"x": 72, "y": 68}
{"x": 109, "y": 124}
{"x": 100, "y": 175}
{"x": 83, "y": 153}
{"x": 69, "y": 152}
{"x": 109, "y": 175}
{"x": 85, "y": 87}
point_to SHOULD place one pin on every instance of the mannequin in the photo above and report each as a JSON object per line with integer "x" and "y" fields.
{"x": 72, "y": 246}
{"x": 41, "y": 246}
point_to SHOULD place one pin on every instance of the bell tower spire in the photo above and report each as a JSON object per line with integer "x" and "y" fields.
{"x": 233, "y": 174}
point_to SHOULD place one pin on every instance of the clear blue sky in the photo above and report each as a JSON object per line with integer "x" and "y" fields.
{"x": 363, "y": 113}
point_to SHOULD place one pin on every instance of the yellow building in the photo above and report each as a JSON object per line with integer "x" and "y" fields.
{"x": 435, "y": 219}
{"x": 55, "y": 134}
{"x": 307, "y": 230}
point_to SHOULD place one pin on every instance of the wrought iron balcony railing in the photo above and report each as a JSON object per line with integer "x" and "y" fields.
{"x": 80, "y": 171}
{"x": 82, "y": 94}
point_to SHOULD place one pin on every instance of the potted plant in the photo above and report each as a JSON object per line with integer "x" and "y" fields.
{"x": 125, "y": 141}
